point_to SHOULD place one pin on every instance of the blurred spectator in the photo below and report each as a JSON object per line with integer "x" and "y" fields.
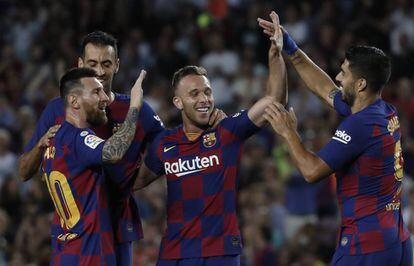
{"x": 8, "y": 159}
{"x": 284, "y": 221}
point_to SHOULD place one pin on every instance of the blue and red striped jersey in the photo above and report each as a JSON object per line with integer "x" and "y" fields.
{"x": 124, "y": 210}
{"x": 366, "y": 155}
{"x": 73, "y": 172}
{"x": 202, "y": 178}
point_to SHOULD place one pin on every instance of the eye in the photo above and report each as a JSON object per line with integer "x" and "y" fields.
{"x": 107, "y": 64}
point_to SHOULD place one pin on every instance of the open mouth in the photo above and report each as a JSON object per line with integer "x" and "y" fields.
{"x": 203, "y": 110}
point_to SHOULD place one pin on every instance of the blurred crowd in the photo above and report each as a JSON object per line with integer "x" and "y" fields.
{"x": 284, "y": 220}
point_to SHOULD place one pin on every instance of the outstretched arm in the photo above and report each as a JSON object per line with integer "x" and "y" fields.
{"x": 284, "y": 123}
{"x": 314, "y": 77}
{"x": 117, "y": 145}
{"x": 29, "y": 162}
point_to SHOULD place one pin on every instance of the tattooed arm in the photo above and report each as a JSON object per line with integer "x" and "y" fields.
{"x": 117, "y": 145}
{"x": 315, "y": 78}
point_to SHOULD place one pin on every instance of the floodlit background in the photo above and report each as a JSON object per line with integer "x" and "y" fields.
{"x": 284, "y": 220}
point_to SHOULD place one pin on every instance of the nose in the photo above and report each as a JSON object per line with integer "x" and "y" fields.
{"x": 104, "y": 97}
{"x": 338, "y": 77}
{"x": 203, "y": 98}
{"x": 99, "y": 70}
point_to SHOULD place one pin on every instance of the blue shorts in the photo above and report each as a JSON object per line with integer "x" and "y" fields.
{"x": 231, "y": 260}
{"x": 123, "y": 252}
{"x": 401, "y": 255}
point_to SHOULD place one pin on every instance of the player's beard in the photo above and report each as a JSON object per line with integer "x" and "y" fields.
{"x": 348, "y": 95}
{"x": 96, "y": 117}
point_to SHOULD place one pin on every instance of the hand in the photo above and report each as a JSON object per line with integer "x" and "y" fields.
{"x": 282, "y": 121}
{"x": 273, "y": 30}
{"x": 44, "y": 141}
{"x": 289, "y": 45}
{"x": 136, "y": 91}
{"x": 215, "y": 118}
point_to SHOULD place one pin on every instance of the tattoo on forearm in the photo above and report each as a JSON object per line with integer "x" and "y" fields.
{"x": 117, "y": 145}
{"x": 333, "y": 92}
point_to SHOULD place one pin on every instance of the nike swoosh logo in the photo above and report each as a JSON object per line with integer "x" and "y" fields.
{"x": 169, "y": 148}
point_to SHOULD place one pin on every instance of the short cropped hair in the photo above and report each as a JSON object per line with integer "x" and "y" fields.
{"x": 186, "y": 71}
{"x": 100, "y": 38}
{"x": 71, "y": 80}
{"x": 370, "y": 63}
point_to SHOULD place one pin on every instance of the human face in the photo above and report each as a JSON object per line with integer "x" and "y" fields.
{"x": 347, "y": 83}
{"x": 94, "y": 101}
{"x": 195, "y": 98}
{"x": 103, "y": 60}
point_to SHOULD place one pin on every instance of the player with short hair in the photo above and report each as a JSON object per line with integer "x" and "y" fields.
{"x": 100, "y": 52}
{"x": 73, "y": 168}
{"x": 201, "y": 166}
{"x": 365, "y": 153}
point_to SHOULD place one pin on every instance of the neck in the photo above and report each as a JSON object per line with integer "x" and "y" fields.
{"x": 363, "y": 101}
{"x": 76, "y": 118}
{"x": 190, "y": 127}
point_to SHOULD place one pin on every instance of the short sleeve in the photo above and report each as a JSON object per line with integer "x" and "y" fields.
{"x": 341, "y": 106}
{"x": 240, "y": 125}
{"x": 151, "y": 122}
{"x": 152, "y": 159}
{"x": 89, "y": 148}
{"x": 348, "y": 143}
{"x": 47, "y": 120}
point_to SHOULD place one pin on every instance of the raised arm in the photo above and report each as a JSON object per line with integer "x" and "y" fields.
{"x": 116, "y": 146}
{"x": 313, "y": 76}
{"x": 277, "y": 83}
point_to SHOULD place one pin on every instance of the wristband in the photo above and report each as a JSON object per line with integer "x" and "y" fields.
{"x": 289, "y": 45}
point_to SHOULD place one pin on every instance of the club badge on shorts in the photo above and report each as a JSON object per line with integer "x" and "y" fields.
{"x": 209, "y": 140}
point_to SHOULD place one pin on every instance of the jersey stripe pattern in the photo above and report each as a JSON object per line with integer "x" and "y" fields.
{"x": 202, "y": 184}
{"x": 72, "y": 167}
{"x": 366, "y": 155}
{"x": 124, "y": 211}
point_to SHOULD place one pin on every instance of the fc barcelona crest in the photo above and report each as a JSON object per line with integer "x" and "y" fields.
{"x": 209, "y": 140}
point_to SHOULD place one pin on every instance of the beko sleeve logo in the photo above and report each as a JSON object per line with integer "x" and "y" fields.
{"x": 342, "y": 136}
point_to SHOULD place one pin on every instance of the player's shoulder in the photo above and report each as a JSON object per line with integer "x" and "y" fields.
{"x": 374, "y": 114}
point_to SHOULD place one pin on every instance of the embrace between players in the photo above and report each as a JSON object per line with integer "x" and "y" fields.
{"x": 91, "y": 172}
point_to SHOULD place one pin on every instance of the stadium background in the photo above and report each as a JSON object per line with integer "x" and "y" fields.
{"x": 284, "y": 220}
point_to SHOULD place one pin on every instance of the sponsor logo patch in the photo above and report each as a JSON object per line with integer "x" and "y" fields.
{"x": 186, "y": 167}
{"x": 342, "y": 136}
{"x": 92, "y": 141}
{"x": 84, "y": 133}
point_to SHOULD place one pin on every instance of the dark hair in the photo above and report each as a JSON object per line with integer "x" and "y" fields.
{"x": 370, "y": 63}
{"x": 71, "y": 80}
{"x": 185, "y": 71}
{"x": 100, "y": 38}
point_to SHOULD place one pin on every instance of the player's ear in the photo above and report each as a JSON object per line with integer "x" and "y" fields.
{"x": 74, "y": 101}
{"x": 117, "y": 65}
{"x": 80, "y": 62}
{"x": 361, "y": 84}
{"x": 178, "y": 103}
